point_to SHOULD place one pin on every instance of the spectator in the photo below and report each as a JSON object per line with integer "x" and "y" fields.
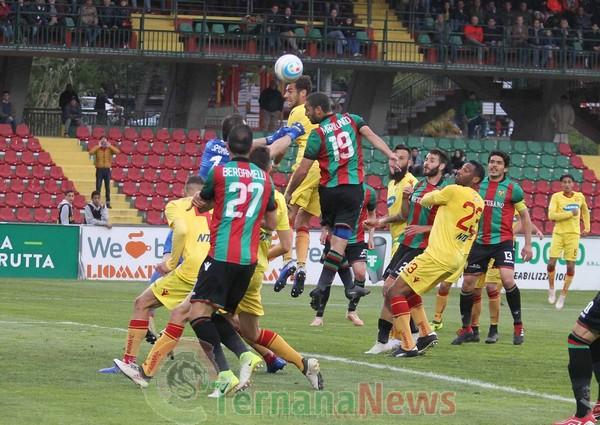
{"x": 525, "y": 13}
{"x": 562, "y": 116}
{"x": 88, "y": 19}
{"x": 95, "y": 213}
{"x": 65, "y": 208}
{"x": 6, "y": 112}
{"x": 103, "y": 162}
{"x": 477, "y": 10}
{"x": 441, "y": 30}
{"x": 100, "y": 107}
{"x": 507, "y": 15}
{"x": 72, "y": 117}
{"x": 537, "y": 41}
{"x": 273, "y": 22}
{"x": 474, "y": 36}
{"x": 458, "y": 159}
{"x": 350, "y": 35}
{"x": 271, "y": 105}
{"x": 459, "y": 18}
{"x": 519, "y": 35}
{"x": 447, "y": 11}
{"x": 123, "y": 24}
{"x": 20, "y": 13}
{"x": 55, "y": 14}
{"x": 582, "y": 21}
{"x": 493, "y": 38}
{"x": 491, "y": 12}
{"x": 5, "y": 25}
{"x": 334, "y": 32}
{"x": 38, "y": 19}
{"x": 286, "y": 29}
{"x": 416, "y": 168}
{"x": 592, "y": 39}
{"x": 566, "y": 39}
{"x": 472, "y": 109}
{"x": 66, "y": 96}
{"x": 106, "y": 21}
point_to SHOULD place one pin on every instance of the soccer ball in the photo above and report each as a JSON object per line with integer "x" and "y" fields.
{"x": 288, "y": 68}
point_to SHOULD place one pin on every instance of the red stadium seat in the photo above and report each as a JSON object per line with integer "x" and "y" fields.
{"x": 538, "y": 213}
{"x": 114, "y": 133}
{"x": 79, "y": 202}
{"x": 548, "y": 227}
{"x": 147, "y": 134}
{"x": 39, "y": 172}
{"x": 45, "y": 159}
{"x": 121, "y": 160}
{"x": 595, "y": 202}
{"x": 171, "y": 162}
{"x": 588, "y": 188}
{"x": 33, "y": 145}
{"x": 129, "y": 188}
{"x": 381, "y": 209}
{"x": 22, "y": 171}
{"x": 4, "y": 187}
{"x": 142, "y": 203}
{"x": 6, "y": 130}
{"x": 182, "y": 175}
{"x": 193, "y": 135}
{"x": 191, "y": 149}
{"x": 18, "y": 145}
{"x": 130, "y": 134}
{"x": 577, "y": 162}
{"x": 29, "y": 200}
{"x": 155, "y": 218}
{"x": 154, "y": 161}
{"x": 82, "y": 133}
{"x": 146, "y": 189}
{"x": 157, "y": 203}
{"x": 56, "y": 173}
{"x": 540, "y": 200}
{"x": 126, "y": 147}
{"x": 375, "y": 182}
{"x": 17, "y": 186}
{"x": 5, "y": 171}
{"x": 134, "y": 174}
{"x": 22, "y": 131}
{"x": 167, "y": 176}
{"x": 188, "y": 163}
{"x": 54, "y": 215}
{"x": 139, "y": 161}
{"x": 555, "y": 186}
{"x": 7, "y": 214}
{"x": 177, "y": 190}
{"x": 28, "y": 158}
{"x": 162, "y": 135}
{"x": 142, "y": 147}
{"x": 12, "y": 199}
{"x": 179, "y": 135}
{"x": 46, "y": 201}
{"x": 41, "y": 216}
{"x": 589, "y": 176}
{"x": 68, "y": 185}
{"x": 50, "y": 186}
{"x": 175, "y": 148}
{"x": 77, "y": 216}
{"x": 3, "y": 144}
{"x": 210, "y": 134}
{"x": 98, "y": 132}
{"x": 565, "y": 149}
{"x": 118, "y": 174}
{"x": 159, "y": 148}
{"x": 150, "y": 175}
{"x": 35, "y": 186}
{"x": 162, "y": 189}
{"x": 595, "y": 214}
{"x": 10, "y": 157}
{"x": 542, "y": 186}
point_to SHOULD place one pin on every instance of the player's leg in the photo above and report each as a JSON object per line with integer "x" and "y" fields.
{"x": 513, "y": 297}
{"x": 441, "y": 300}
{"x": 427, "y": 337}
{"x": 397, "y": 297}
{"x": 476, "y": 313}
{"x": 571, "y": 249}
{"x": 359, "y": 269}
{"x": 465, "y": 334}
{"x": 289, "y": 265}
{"x": 551, "y": 269}
{"x": 493, "y": 291}
{"x": 302, "y": 226}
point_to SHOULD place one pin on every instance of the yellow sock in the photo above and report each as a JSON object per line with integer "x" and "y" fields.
{"x": 494, "y": 305}
{"x": 567, "y": 284}
{"x": 417, "y": 312}
{"x": 401, "y": 314}
{"x": 440, "y": 305}
{"x": 287, "y": 256}
{"x": 476, "y": 311}
{"x": 279, "y": 346}
{"x": 161, "y": 348}
{"x": 135, "y": 335}
{"x": 302, "y": 244}
{"x": 551, "y": 279}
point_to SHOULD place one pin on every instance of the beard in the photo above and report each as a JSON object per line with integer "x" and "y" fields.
{"x": 399, "y": 175}
{"x": 432, "y": 172}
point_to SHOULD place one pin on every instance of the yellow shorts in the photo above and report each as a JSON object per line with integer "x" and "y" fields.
{"x": 306, "y": 196}
{"x": 252, "y": 301}
{"x": 491, "y": 276}
{"x": 566, "y": 245}
{"x": 424, "y": 273}
{"x": 171, "y": 290}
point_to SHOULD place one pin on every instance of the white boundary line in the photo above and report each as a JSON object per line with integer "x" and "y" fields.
{"x": 430, "y": 375}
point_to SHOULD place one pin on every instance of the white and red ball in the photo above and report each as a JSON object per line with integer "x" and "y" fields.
{"x": 288, "y": 68}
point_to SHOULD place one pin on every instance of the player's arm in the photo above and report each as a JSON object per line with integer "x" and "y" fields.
{"x": 527, "y": 251}
{"x": 585, "y": 216}
{"x": 284, "y": 245}
{"x": 270, "y": 218}
{"x": 554, "y": 212}
{"x": 204, "y": 199}
{"x": 175, "y": 218}
{"x": 104, "y": 216}
{"x": 404, "y": 209}
{"x": 379, "y": 144}
{"x": 438, "y": 197}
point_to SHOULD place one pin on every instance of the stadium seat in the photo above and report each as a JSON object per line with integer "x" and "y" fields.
{"x": 170, "y": 162}
{"x": 12, "y": 199}
{"x": 134, "y": 174}
{"x": 142, "y": 203}
{"x": 7, "y": 214}
{"x": 577, "y": 162}
{"x": 595, "y": 214}
{"x": 50, "y": 186}
{"x": 54, "y": 215}
{"x": 77, "y": 216}
{"x": 181, "y": 175}
{"x": 549, "y": 148}
{"x": 3, "y": 144}
{"x": 33, "y": 145}
{"x": 542, "y": 186}
{"x": 98, "y": 132}
{"x": 193, "y": 135}
{"x": 153, "y": 161}
{"x": 175, "y": 148}
{"x": 146, "y": 134}
{"x": 565, "y": 149}
{"x": 162, "y": 189}
{"x": 28, "y": 158}
{"x": 121, "y": 160}
{"x": 191, "y": 149}
{"x": 6, "y": 131}
{"x": 138, "y": 161}
{"x": 167, "y": 176}
{"x": 162, "y": 135}
{"x": 157, "y": 203}
{"x": 516, "y": 173}
{"x": 18, "y": 145}
{"x": 146, "y": 189}
{"x": 4, "y": 187}
{"x": 588, "y": 188}
{"x": 528, "y": 186}
{"x": 41, "y": 216}
{"x": 22, "y": 131}
{"x": 546, "y": 174}
{"x": 540, "y": 200}
{"x": 11, "y": 158}
{"x": 538, "y": 213}
{"x": 118, "y": 174}
{"x": 82, "y": 133}
{"x": 535, "y": 147}
{"x": 154, "y": 218}
{"x": 45, "y": 200}
{"x": 29, "y": 200}
{"x": 67, "y": 185}
{"x": 150, "y": 175}
{"x": 177, "y": 190}
{"x": 179, "y": 135}
{"x": 555, "y": 186}
{"x": 129, "y": 188}
{"x": 280, "y": 179}
{"x": 589, "y": 176}
{"x": 142, "y": 147}
{"x": 595, "y": 228}
{"x": 79, "y": 202}
{"x": 548, "y": 227}
{"x": 382, "y": 209}
{"x": 56, "y": 173}
{"x": 130, "y": 134}
{"x": 375, "y": 182}
{"x": 45, "y": 159}
{"x": 114, "y": 133}
{"x": 159, "y": 148}
{"x": 126, "y": 147}
{"x": 22, "y": 171}
{"x": 5, "y": 171}
{"x": 188, "y": 163}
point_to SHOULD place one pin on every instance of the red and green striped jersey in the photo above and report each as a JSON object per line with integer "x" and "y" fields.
{"x": 419, "y": 215}
{"x": 336, "y": 144}
{"x": 369, "y": 204}
{"x": 242, "y": 193}
{"x": 496, "y": 225}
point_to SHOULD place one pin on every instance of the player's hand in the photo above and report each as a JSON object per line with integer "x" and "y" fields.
{"x": 407, "y": 191}
{"x": 575, "y": 211}
{"x": 372, "y": 223}
{"x": 371, "y": 242}
{"x": 295, "y": 131}
{"x": 323, "y": 236}
{"x": 108, "y": 226}
{"x": 277, "y": 135}
{"x": 414, "y": 229}
{"x": 539, "y": 234}
{"x": 162, "y": 268}
{"x": 197, "y": 201}
{"x": 527, "y": 253}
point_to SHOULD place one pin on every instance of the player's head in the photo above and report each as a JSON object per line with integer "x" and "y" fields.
{"x": 435, "y": 163}
{"x": 239, "y": 140}
{"x": 96, "y": 198}
{"x": 318, "y": 106}
{"x": 470, "y": 174}
{"x": 229, "y": 122}
{"x": 261, "y": 156}
{"x": 297, "y": 92}
{"x": 498, "y": 163}
{"x": 567, "y": 182}
{"x": 403, "y": 154}
{"x": 192, "y": 185}
{"x": 70, "y": 196}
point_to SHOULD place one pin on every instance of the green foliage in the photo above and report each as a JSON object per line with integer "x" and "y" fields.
{"x": 581, "y": 145}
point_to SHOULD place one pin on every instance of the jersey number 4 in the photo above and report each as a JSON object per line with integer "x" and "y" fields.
{"x": 342, "y": 145}
{"x": 461, "y": 223}
{"x": 242, "y": 190}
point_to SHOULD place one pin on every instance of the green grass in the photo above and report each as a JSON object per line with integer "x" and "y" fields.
{"x": 48, "y": 369}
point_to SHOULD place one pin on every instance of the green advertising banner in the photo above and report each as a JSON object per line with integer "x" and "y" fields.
{"x": 39, "y": 251}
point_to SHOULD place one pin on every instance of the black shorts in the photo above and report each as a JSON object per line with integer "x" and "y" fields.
{"x": 590, "y": 316}
{"x": 341, "y": 205}
{"x": 355, "y": 252}
{"x": 479, "y": 258}
{"x": 222, "y": 284}
{"x": 403, "y": 255}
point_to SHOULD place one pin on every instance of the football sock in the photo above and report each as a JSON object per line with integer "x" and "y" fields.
{"x": 384, "y": 328}
{"x": 302, "y": 244}
{"x": 324, "y": 300}
{"x": 466, "y": 306}
{"x": 476, "y": 311}
{"x": 551, "y": 275}
{"x": 287, "y": 256}
{"x": 136, "y": 332}
{"x": 440, "y": 304}
{"x": 494, "y": 306}
{"x": 595, "y": 353}
{"x": 332, "y": 263}
{"x": 567, "y": 284}
{"x": 354, "y": 302}
{"x": 401, "y": 314}
{"x": 513, "y": 296}
{"x": 580, "y": 372}
{"x": 417, "y": 313}
{"x": 279, "y": 346}
{"x": 209, "y": 338}
{"x": 162, "y": 347}
{"x": 229, "y": 337}
{"x": 345, "y": 274}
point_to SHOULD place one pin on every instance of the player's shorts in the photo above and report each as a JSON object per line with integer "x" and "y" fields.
{"x": 251, "y": 303}
{"x": 171, "y": 290}
{"x": 565, "y": 246}
{"x": 424, "y": 273}
{"x": 454, "y": 277}
{"x": 306, "y": 196}
{"x": 479, "y": 258}
{"x": 222, "y": 284}
{"x": 590, "y": 316}
{"x": 403, "y": 255}
{"x": 490, "y": 277}
{"x": 341, "y": 205}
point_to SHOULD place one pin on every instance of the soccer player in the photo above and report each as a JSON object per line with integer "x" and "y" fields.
{"x": 567, "y": 209}
{"x": 243, "y": 200}
{"x": 190, "y": 231}
{"x": 453, "y": 231}
{"x": 336, "y": 144}
{"x": 495, "y": 241}
{"x": 356, "y": 254}
{"x": 250, "y": 307}
{"x": 584, "y": 358}
{"x": 411, "y": 243}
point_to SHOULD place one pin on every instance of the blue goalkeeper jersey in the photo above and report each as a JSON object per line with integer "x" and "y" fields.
{"x": 215, "y": 153}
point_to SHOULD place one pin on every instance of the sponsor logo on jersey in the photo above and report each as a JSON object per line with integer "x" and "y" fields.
{"x": 571, "y": 207}
{"x": 390, "y": 201}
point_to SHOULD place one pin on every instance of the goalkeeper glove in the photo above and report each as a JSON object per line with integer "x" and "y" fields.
{"x": 295, "y": 131}
{"x": 277, "y": 135}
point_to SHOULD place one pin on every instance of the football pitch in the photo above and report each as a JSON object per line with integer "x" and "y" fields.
{"x": 57, "y": 334}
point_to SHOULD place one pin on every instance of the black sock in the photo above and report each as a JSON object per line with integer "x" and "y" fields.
{"x": 513, "y": 296}
{"x": 207, "y": 333}
{"x": 354, "y": 301}
{"x": 332, "y": 264}
{"x": 466, "y": 305}
{"x": 324, "y": 299}
{"x": 580, "y": 372}
{"x": 595, "y": 352}
{"x": 346, "y": 276}
{"x": 228, "y": 335}
{"x": 413, "y": 327}
{"x": 494, "y": 328}
{"x": 475, "y": 329}
{"x": 385, "y": 327}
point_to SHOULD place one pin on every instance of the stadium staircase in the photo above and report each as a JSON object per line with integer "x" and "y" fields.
{"x": 79, "y": 167}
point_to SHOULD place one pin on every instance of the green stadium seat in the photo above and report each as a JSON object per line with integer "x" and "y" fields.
{"x": 472, "y": 156}
{"x": 285, "y": 166}
{"x": 535, "y": 147}
{"x": 379, "y": 156}
{"x": 446, "y": 145}
{"x": 550, "y": 148}
{"x": 505, "y": 146}
{"x": 413, "y": 142}
{"x": 455, "y": 40}
{"x": 521, "y": 147}
{"x": 562, "y": 161}
{"x": 474, "y": 145}
{"x": 545, "y": 174}
{"x": 531, "y": 173}
{"x": 186, "y": 27}
{"x": 577, "y": 174}
{"x": 517, "y": 161}
{"x": 424, "y": 39}
{"x": 460, "y": 144}
{"x": 377, "y": 168}
{"x": 548, "y": 161}
{"x": 516, "y": 173}
{"x": 218, "y": 29}
{"x": 367, "y": 153}
{"x": 315, "y": 34}
{"x": 300, "y": 33}
{"x": 233, "y": 29}
{"x": 201, "y": 27}
{"x": 532, "y": 160}
{"x": 69, "y": 22}
{"x": 429, "y": 143}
